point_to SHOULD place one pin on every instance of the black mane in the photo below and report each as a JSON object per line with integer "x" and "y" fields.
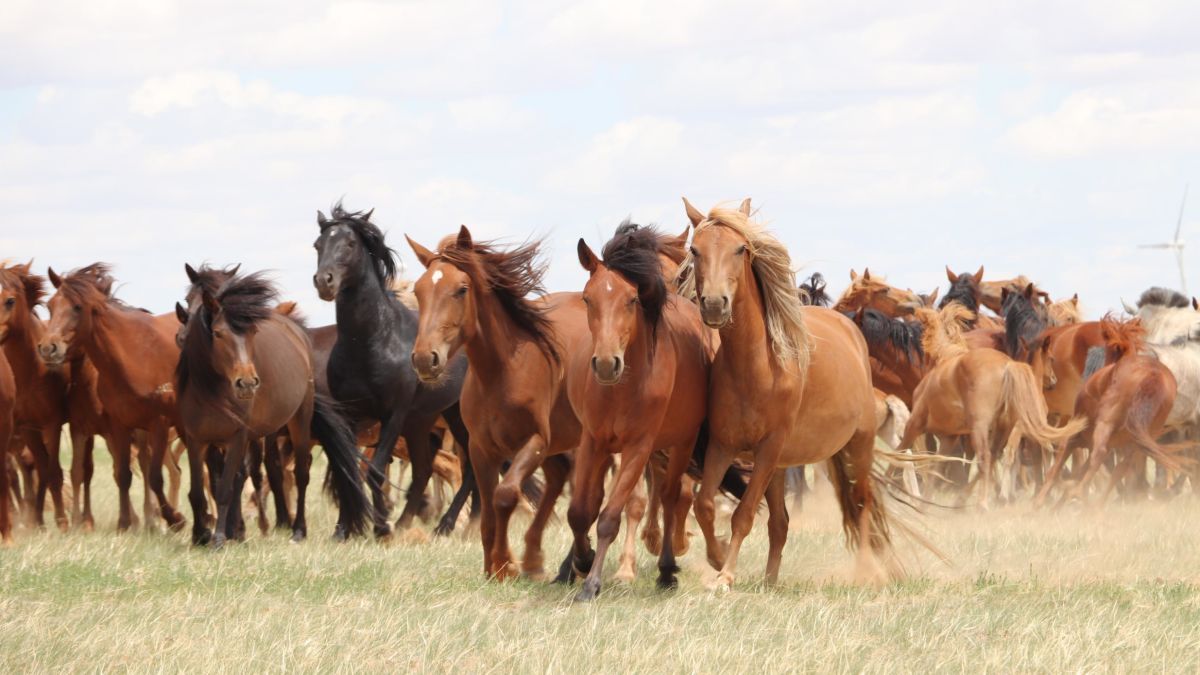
{"x": 1024, "y": 321}
{"x": 633, "y": 253}
{"x": 880, "y": 330}
{"x": 814, "y": 292}
{"x": 372, "y": 238}
{"x": 964, "y": 291}
{"x": 1163, "y": 297}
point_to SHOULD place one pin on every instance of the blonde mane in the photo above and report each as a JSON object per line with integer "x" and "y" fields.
{"x": 942, "y": 337}
{"x": 1064, "y": 312}
{"x": 403, "y": 290}
{"x": 772, "y": 268}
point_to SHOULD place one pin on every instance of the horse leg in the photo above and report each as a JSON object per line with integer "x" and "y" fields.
{"x": 635, "y": 509}
{"x": 81, "y": 486}
{"x": 256, "y": 480}
{"x": 377, "y": 473}
{"x": 652, "y": 531}
{"x": 556, "y": 470}
{"x": 765, "y": 462}
{"x": 26, "y": 462}
{"x": 982, "y": 445}
{"x": 274, "y": 466}
{"x": 420, "y": 454}
{"x": 505, "y": 499}
{"x": 487, "y": 474}
{"x": 41, "y": 466}
{"x": 5, "y": 487}
{"x": 175, "y": 450}
{"x": 458, "y": 434}
{"x": 716, "y": 463}
{"x": 799, "y": 482}
{"x": 158, "y": 449}
{"x": 51, "y": 441}
{"x": 674, "y": 522}
{"x": 777, "y": 524}
{"x": 1009, "y": 465}
{"x": 1099, "y": 456}
{"x": 682, "y": 508}
{"x": 119, "y": 444}
{"x": 633, "y": 466}
{"x": 303, "y": 470}
{"x": 223, "y": 488}
{"x": 197, "y": 497}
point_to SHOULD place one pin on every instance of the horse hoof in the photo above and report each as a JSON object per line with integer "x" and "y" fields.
{"x": 178, "y": 525}
{"x": 589, "y": 591}
{"x": 201, "y": 537}
{"x": 383, "y": 532}
{"x": 299, "y": 536}
{"x": 218, "y": 542}
{"x": 443, "y": 529}
{"x": 88, "y": 525}
{"x": 339, "y": 534}
{"x": 667, "y": 582}
{"x": 625, "y": 575}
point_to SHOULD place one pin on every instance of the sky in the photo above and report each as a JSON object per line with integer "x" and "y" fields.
{"x": 1038, "y": 138}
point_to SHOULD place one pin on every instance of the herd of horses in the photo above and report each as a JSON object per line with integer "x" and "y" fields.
{"x": 689, "y": 365}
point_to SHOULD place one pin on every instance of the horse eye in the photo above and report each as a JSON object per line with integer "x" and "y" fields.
{"x": 633, "y": 301}
{"x": 741, "y": 249}
{"x": 461, "y": 292}
{"x": 586, "y": 300}
{"x": 78, "y": 308}
{"x": 10, "y": 302}
{"x": 694, "y": 252}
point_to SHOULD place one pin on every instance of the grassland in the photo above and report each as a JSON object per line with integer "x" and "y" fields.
{"x": 1083, "y": 592}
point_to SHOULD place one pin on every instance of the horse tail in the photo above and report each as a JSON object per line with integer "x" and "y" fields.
{"x": 1139, "y": 421}
{"x": 733, "y": 483}
{"x": 1095, "y": 361}
{"x": 1022, "y": 398}
{"x": 343, "y": 479}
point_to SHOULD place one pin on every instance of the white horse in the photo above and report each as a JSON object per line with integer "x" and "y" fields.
{"x": 1173, "y": 334}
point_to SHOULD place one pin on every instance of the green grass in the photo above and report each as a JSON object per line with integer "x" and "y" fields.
{"x": 1069, "y": 591}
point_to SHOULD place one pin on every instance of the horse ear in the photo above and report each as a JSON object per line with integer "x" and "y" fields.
{"x": 693, "y": 213}
{"x": 682, "y": 238}
{"x": 934, "y": 296}
{"x": 322, "y": 221}
{"x": 745, "y": 207}
{"x": 853, "y": 275}
{"x": 1004, "y": 293}
{"x": 464, "y": 238}
{"x": 1029, "y": 290}
{"x": 979, "y": 275}
{"x": 1075, "y": 299}
{"x": 587, "y": 257}
{"x": 951, "y": 275}
{"x": 1127, "y": 308}
{"x": 860, "y": 315}
{"x": 424, "y": 255}
{"x": 367, "y": 215}
{"x": 181, "y": 314}
{"x": 1195, "y": 304}
{"x": 866, "y": 274}
{"x": 55, "y": 280}
{"x": 191, "y": 273}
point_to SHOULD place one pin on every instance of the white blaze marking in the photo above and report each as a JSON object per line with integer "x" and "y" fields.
{"x": 437, "y": 276}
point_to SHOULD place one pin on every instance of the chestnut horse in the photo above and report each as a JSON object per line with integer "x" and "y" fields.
{"x": 474, "y": 299}
{"x": 1125, "y": 403}
{"x": 966, "y": 289}
{"x": 41, "y": 407}
{"x": 245, "y": 372}
{"x": 642, "y": 386}
{"x": 8, "y": 398}
{"x": 135, "y": 356}
{"x": 978, "y": 393}
{"x": 790, "y": 385}
{"x": 873, "y": 291}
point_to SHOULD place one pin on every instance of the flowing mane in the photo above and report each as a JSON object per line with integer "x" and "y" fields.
{"x": 880, "y": 330}
{"x": 772, "y": 268}
{"x": 359, "y": 222}
{"x": 1024, "y": 321}
{"x": 943, "y": 329}
{"x": 209, "y": 279}
{"x": 512, "y": 276}
{"x": 633, "y": 253}
{"x": 813, "y": 292}
{"x": 1121, "y": 337}
{"x": 964, "y": 291}
{"x": 20, "y": 276}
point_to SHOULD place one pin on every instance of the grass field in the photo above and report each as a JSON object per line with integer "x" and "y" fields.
{"x": 1109, "y": 591}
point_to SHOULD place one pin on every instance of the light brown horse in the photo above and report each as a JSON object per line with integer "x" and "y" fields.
{"x": 1126, "y": 404}
{"x": 870, "y": 291}
{"x": 790, "y": 385}
{"x": 474, "y": 298}
{"x": 135, "y": 356}
{"x": 642, "y": 386}
{"x": 981, "y": 394}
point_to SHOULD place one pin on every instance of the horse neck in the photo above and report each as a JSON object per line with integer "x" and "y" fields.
{"x": 745, "y": 339}
{"x": 20, "y": 347}
{"x": 114, "y": 330}
{"x": 493, "y": 339}
{"x": 363, "y": 309}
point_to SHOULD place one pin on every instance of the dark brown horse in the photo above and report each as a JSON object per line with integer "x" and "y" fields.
{"x": 474, "y": 299}
{"x": 642, "y": 386}
{"x": 244, "y": 373}
{"x": 135, "y": 356}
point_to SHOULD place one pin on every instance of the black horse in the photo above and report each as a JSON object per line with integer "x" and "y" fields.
{"x": 370, "y": 372}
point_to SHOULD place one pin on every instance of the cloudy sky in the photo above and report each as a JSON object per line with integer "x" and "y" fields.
{"x": 1039, "y": 138}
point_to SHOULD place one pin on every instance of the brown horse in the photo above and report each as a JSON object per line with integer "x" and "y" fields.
{"x": 1125, "y": 403}
{"x": 790, "y": 385}
{"x": 873, "y": 292}
{"x": 135, "y": 355}
{"x": 895, "y": 344}
{"x": 981, "y": 394}
{"x": 642, "y": 386}
{"x": 244, "y": 373}
{"x": 474, "y": 298}
{"x": 8, "y": 397}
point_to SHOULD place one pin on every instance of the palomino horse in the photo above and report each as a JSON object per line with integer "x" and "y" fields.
{"x": 369, "y": 369}
{"x": 135, "y": 384}
{"x": 245, "y": 372}
{"x": 790, "y": 385}
{"x": 474, "y": 299}
{"x": 8, "y": 398}
{"x": 41, "y": 408}
{"x": 1125, "y": 403}
{"x": 642, "y": 386}
{"x": 979, "y": 393}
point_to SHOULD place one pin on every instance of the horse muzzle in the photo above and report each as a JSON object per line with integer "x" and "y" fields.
{"x": 246, "y": 387}
{"x": 327, "y": 285}
{"x": 607, "y": 370}
{"x": 430, "y": 365}
{"x": 715, "y": 311}
{"x": 52, "y": 352}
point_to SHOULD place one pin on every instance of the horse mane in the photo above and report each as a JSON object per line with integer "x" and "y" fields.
{"x": 1168, "y": 318}
{"x": 964, "y": 291}
{"x": 372, "y": 238}
{"x": 859, "y": 290}
{"x": 772, "y": 267}
{"x": 670, "y": 246}
{"x": 20, "y": 276}
{"x": 1064, "y": 312}
{"x": 90, "y": 283}
{"x": 1024, "y": 321}
{"x": 1121, "y": 337}
{"x": 633, "y": 253}
{"x": 943, "y": 329}
{"x": 403, "y": 290}
{"x": 881, "y": 330}
{"x": 1158, "y": 296}
{"x": 813, "y": 291}
{"x": 512, "y": 276}
{"x": 209, "y": 279}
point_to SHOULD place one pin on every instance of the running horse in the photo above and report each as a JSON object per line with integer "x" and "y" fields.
{"x": 790, "y": 385}
{"x": 474, "y": 299}
{"x": 246, "y": 372}
{"x": 369, "y": 371}
{"x": 641, "y": 387}
{"x": 135, "y": 355}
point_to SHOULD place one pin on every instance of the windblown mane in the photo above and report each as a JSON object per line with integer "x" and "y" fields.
{"x": 209, "y": 279}
{"x": 92, "y": 283}
{"x": 633, "y": 253}
{"x": 1024, "y": 321}
{"x": 942, "y": 336}
{"x": 1163, "y": 297}
{"x": 880, "y": 330}
{"x": 1121, "y": 337}
{"x": 383, "y": 257}
{"x": 20, "y": 277}
{"x": 772, "y": 268}
{"x": 859, "y": 292}
{"x": 813, "y": 292}
{"x": 512, "y": 276}
{"x": 963, "y": 291}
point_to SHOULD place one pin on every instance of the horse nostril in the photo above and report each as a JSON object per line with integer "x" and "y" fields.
{"x": 255, "y": 382}
{"x": 725, "y": 301}
{"x": 616, "y": 364}
{"x": 434, "y": 359}
{"x": 329, "y": 277}
{"x": 595, "y": 363}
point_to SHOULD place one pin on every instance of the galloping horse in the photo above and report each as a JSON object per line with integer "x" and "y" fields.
{"x": 790, "y": 385}
{"x": 135, "y": 356}
{"x": 369, "y": 369}
{"x": 474, "y": 300}
{"x": 245, "y": 372}
{"x": 41, "y": 408}
{"x": 641, "y": 387}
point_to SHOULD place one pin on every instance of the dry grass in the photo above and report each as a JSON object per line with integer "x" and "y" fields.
{"x": 1114, "y": 591}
